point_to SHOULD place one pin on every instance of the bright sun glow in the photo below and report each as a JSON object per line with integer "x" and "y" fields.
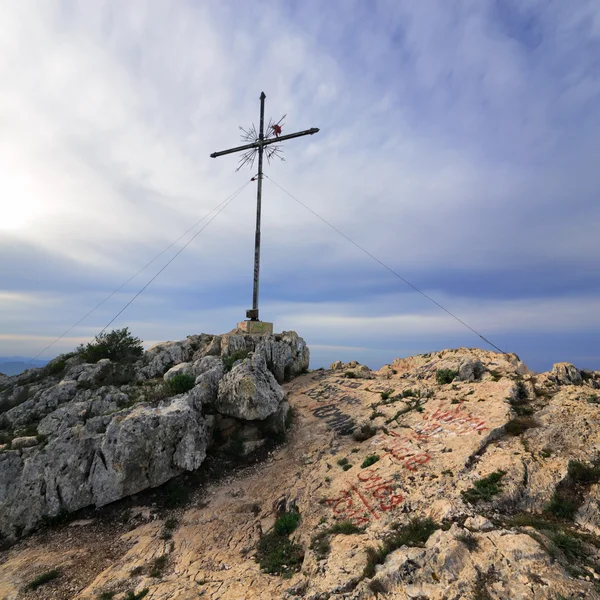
{"x": 18, "y": 203}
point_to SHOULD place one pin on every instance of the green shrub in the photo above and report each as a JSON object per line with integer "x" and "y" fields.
{"x": 369, "y": 460}
{"x": 43, "y": 579}
{"x": 107, "y": 595}
{"x": 118, "y": 345}
{"x": 287, "y": 523}
{"x": 408, "y": 393}
{"x": 158, "y": 565}
{"x": 342, "y": 462}
{"x": 583, "y": 473}
{"x": 56, "y": 366}
{"x": 563, "y": 504}
{"x": 131, "y": 595}
{"x": 416, "y": 533}
{"x": 229, "y": 361}
{"x": 350, "y": 375}
{"x": 469, "y": 540}
{"x": 385, "y": 395}
{"x": 484, "y": 489}
{"x": 347, "y": 467}
{"x": 344, "y": 528}
{"x": 570, "y": 545}
{"x": 443, "y": 376}
{"x": 181, "y": 383}
{"x": 278, "y": 555}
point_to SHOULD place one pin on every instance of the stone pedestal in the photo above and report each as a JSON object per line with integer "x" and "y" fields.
{"x": 255, "y": 327}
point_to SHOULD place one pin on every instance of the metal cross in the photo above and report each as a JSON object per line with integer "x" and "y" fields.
{"x": 259, "y": 144}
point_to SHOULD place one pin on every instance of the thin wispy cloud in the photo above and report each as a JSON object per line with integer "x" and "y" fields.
{"x": 458, "y": 144}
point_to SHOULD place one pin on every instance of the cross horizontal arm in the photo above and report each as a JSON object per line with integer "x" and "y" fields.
{"x": 274, "y": 140}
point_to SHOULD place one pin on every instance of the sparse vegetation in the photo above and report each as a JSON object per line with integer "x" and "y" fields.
{"x": 344, "y": 528}
{"x": 563, "y": 504}
{"x": 181, "y": 383}
{"x": 320, "y": 543}
{"x": 582, "y": 473}
{"x": 277, "y": 554}
{"x": 56, "y": 366}
{"x": 158, "y": 565}
{"x": 377, "y": 587}
{"x": 568, "y": 544}
{"x": 342, "y": 462}
{"x": 229, "y": 361}
{"x": 480, "y": 591}
{"x": 131, "y": 595}
{"x": 519, "y": 425}
{"x": 350, "y": 375}
{"x": 369, "y": 460}
{"x": 484, "y": 489}
{"x": 469, "y": 540}
{"x": 385, "y": 395}
{"x": 43, "y": 579}
{"x": 443, "y": 376}
{"x": 287, "y": 523}
{"x": 416, "y": 533}
{"x": 347, "y": 467}
{"x": 117, "y": 345}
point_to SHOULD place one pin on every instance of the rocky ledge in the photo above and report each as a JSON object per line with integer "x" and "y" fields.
{"x": 76, "y": 434}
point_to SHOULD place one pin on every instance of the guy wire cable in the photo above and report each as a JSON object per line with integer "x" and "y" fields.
{"x": 230, "y": 197}
{"x": 384, "y": 265}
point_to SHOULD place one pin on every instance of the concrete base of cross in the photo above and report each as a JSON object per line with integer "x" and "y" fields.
{"x": 255, "y": 327}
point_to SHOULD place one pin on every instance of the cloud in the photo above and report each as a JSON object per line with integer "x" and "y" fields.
{"x": 457, "y": 144}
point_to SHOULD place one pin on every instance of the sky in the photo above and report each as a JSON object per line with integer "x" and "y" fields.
{"x": 458, "y": 145}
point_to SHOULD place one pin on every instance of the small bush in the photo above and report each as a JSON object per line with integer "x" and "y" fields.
{"x": 56, "y": 367}
{"x": 350, "y": 375}
{"x": 181, "y": 383}
{"x": 287, "y": 523}
{"x": 408, "y": 394}
{"x": 43, "y": 579}
{"x": 416, "y": 533}
{"x": 570, "y": 546}
{"x": 107, "y": 595}
{"x": 443, "y": 376}
{"x": 484, "y": 489}
{"x": 344, "y": 528}
{"x": 229, "y": 361}
{"x": 320, "y": 545}
{"x": 118, "y": 345}
{"x": 563, "y": 504}
{"x": 347, "y": 467}
{"x": 369, "y": 460}
{"x": 131, "y": 595}
{"x": 158, "y": 565}
{"x": 385, "y": 395}
{"x": 469, "y": 540}
{"x": 582, "y": 473}
{"x": 480, "y": 590}
{"x": 342, "y": 462}
{"x": 278, "y": 555}
{"x": 136, "y": 571}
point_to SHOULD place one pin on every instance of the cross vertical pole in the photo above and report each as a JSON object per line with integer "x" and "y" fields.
{"x": 261, "y": 137}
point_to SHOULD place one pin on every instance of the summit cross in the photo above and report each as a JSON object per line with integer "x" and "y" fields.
{"x": 259, "y": 143}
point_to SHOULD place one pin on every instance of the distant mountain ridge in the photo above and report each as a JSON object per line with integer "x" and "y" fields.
{"x": 13, "y": 365}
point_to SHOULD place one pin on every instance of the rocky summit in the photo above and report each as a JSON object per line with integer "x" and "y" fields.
{"x": 219, "y": 467}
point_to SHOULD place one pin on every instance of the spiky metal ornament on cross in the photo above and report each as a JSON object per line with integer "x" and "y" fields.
{"x": 257, "y": 145}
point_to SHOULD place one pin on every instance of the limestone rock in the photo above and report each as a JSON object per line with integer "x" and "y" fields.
{"x": 471, "y": 370}
{"x": 566, "y": 374}
{"x": 249, "y": 391}
{"x": 23, "y": 442}
{"x": 185, "y": 368}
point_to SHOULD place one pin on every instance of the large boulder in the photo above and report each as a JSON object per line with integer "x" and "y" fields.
{"x": 566, "y": 374}
{"x": 249, "y": 391}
